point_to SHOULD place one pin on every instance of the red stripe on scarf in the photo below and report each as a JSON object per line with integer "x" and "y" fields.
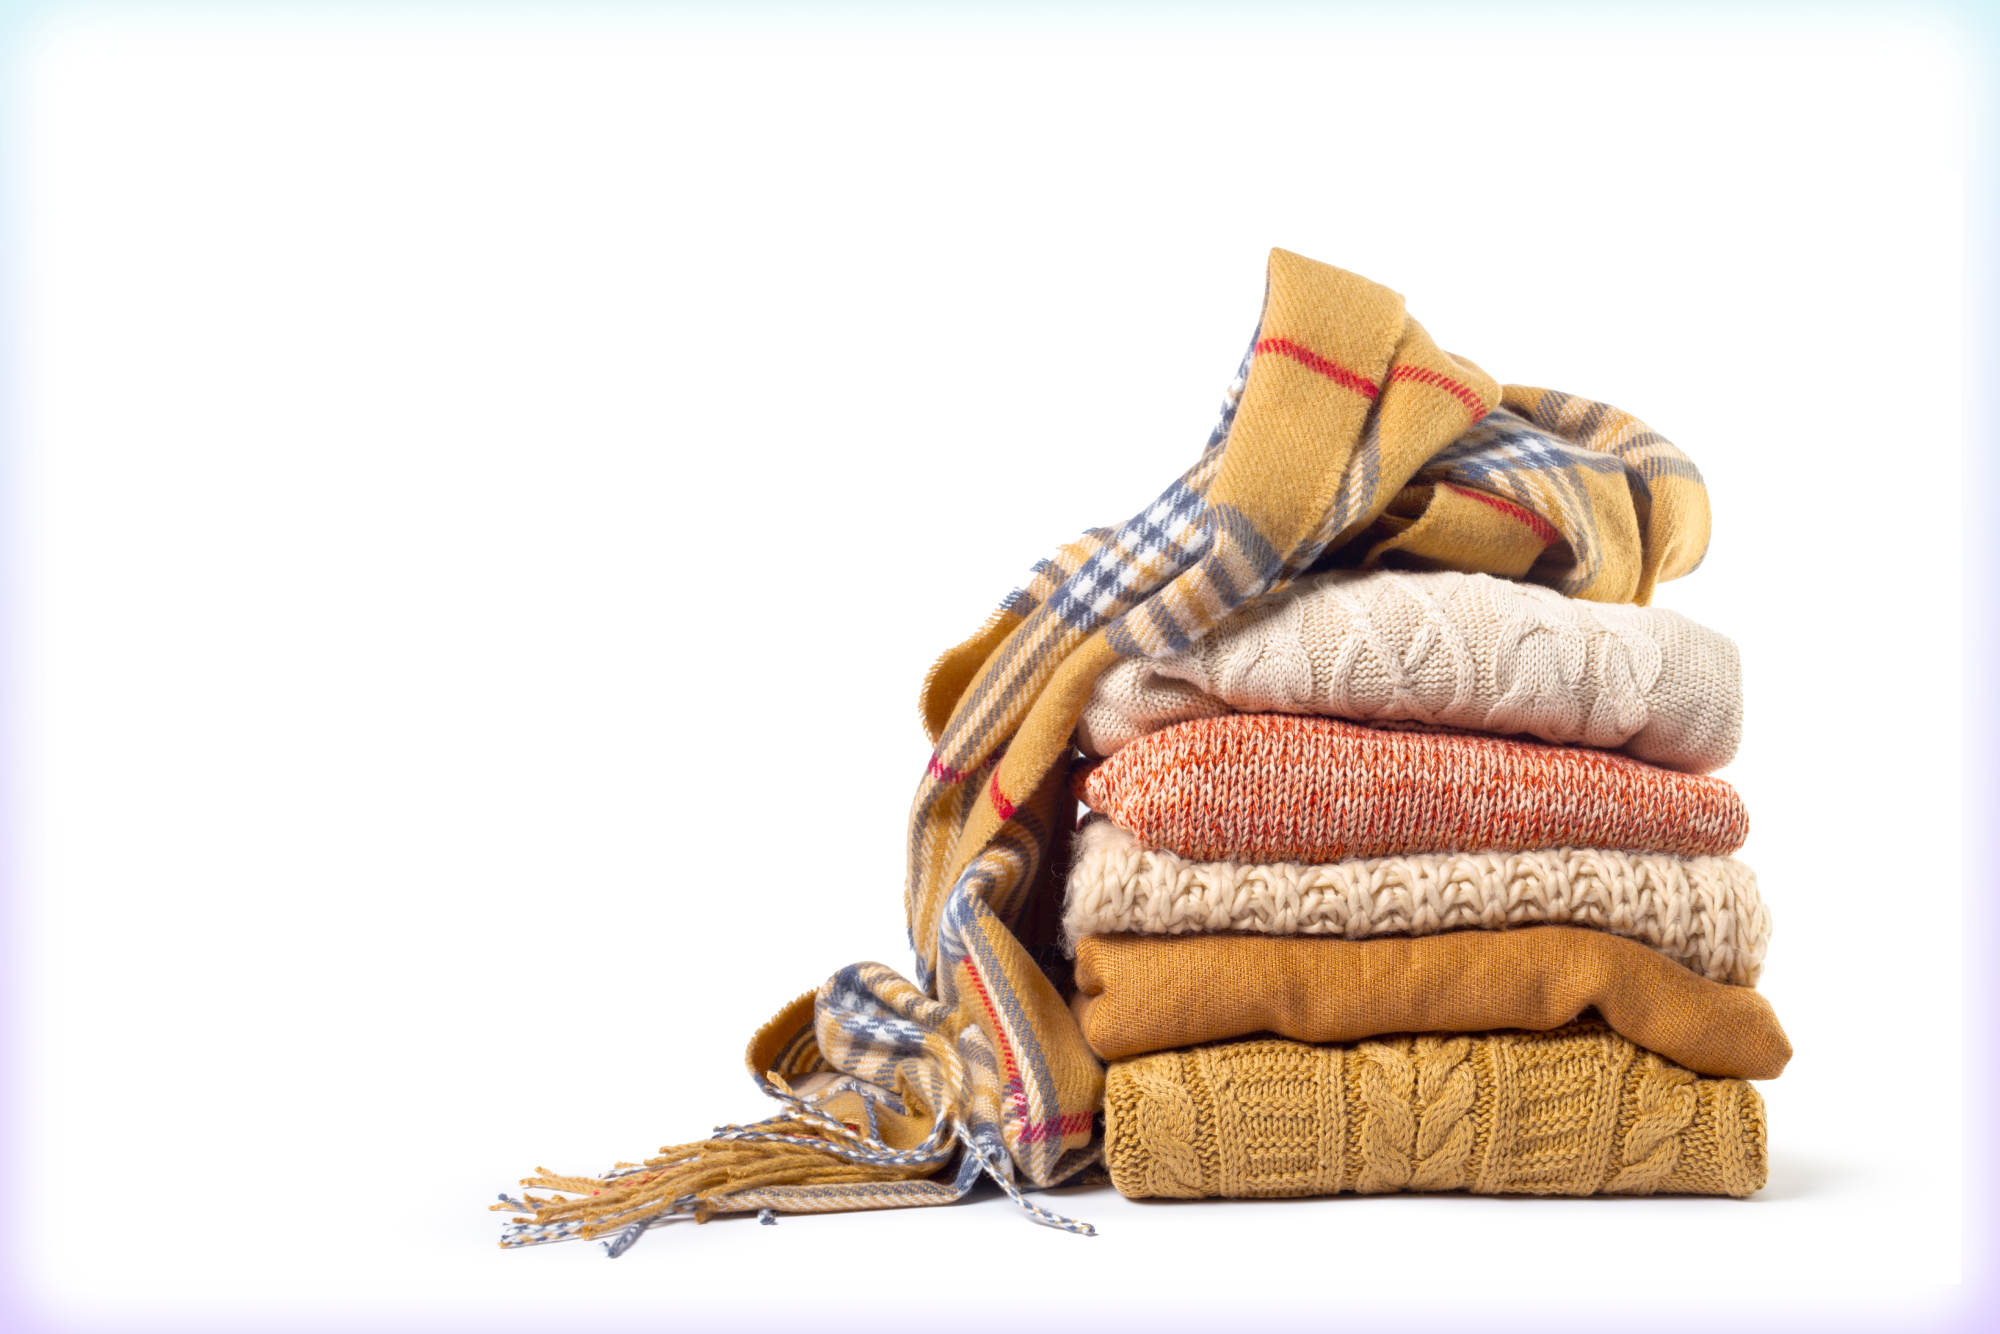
{"x": 1527, "y": 518}
{"x": 941, "y": 771}
{"x": 1313, "y": 361}
{"x": 1424, "y": 375}
{"x": 1017, "y": 1093}
{"x": 1061, "y": 1127}
{"x": 1000, "y": 802}
{"x": 1033, "y": 1132}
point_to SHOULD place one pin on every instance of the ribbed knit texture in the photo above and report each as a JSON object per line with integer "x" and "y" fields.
{"x": 1576, "y": 1112}
{"x": 1138, "y": 994}
{"x": 1702, "y": 912}
{"x": 1273, "y": 787}
{"x": 1459, "y": 650}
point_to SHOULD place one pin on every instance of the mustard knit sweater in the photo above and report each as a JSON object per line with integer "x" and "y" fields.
{"x": 1579, "y": 1111}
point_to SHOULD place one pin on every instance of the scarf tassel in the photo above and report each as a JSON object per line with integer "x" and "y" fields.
{"x": 708, "y": 1177}
{"x": 683, "y": 1180}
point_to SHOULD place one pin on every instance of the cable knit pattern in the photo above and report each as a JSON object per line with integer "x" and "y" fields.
{"x": 1388, "y": 1122}
{"x": 1446, "y": 1090}
{"x": 1702, "y": 912}
{"x": 1167, "y": 1116}
{"x": 1415, "y": 1134}
{"x": 1666, "y": 1101}
{"x": 1574, "y": 1112}
{"x": 1454, "y": 650}
{"x": 1274, "y": 787}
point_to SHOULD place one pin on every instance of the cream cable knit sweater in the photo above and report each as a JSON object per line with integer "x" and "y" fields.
{"x": 1454, "y": 650}
{"x": 1702, "y": 912}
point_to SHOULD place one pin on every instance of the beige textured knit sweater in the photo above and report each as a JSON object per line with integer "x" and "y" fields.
{"x": 1702, "y": 912}
{"x": 1455, "y": 650}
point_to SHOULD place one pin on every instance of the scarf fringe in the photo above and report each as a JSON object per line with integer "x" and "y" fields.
{"x": 683, "y": 1180}
{"x": 725, "y": 1174}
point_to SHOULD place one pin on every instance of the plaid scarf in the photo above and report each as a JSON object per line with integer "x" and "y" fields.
{"x": 1348, "y": 434}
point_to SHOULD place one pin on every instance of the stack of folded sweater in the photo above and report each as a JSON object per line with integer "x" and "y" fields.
{"x": 1447, "y": 837}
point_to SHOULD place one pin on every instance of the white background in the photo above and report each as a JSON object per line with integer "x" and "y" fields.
{"x": 489, "y": 488}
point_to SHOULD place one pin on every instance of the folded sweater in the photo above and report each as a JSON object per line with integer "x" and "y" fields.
{"x": 1274, "y": 787}
{"x": 1575, "y": 1112}
{"x": 1702, "y": 912}
{"x": 1459, "y": 650}
{"x": 1137, "y": 994}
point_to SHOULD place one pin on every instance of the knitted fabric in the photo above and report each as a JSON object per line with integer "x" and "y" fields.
{"x": 1458, "y": 650}
{"x": 1274, "y": 787}
{"x": 1701, "y": 912}
{"x": 1137, "y": 994}
{"x": 1341, "y": 402}
{"x": 1576, "y": 1112}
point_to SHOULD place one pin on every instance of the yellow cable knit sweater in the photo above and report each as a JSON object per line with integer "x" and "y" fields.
{"x": 1579, "y": 1111}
